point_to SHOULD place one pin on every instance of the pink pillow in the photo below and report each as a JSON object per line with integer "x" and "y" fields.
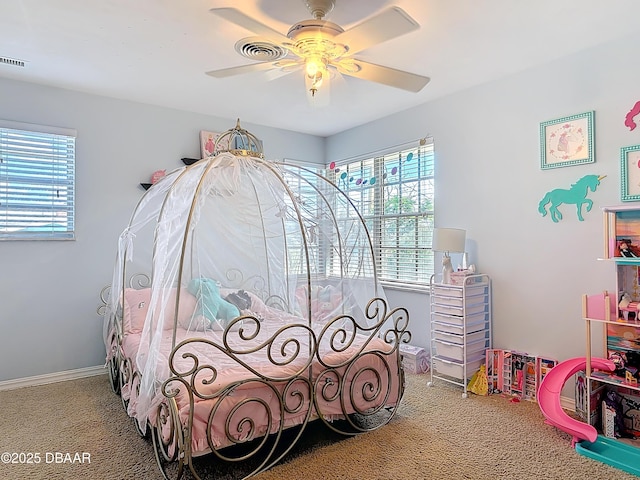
{"x": 185, "y": 309}
{"x": 136, "y": 305}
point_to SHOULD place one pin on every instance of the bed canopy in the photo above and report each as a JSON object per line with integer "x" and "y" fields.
{"x": 236, "y": 226}
{"x": 244, "y": 302}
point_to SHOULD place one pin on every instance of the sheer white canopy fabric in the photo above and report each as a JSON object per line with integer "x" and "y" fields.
{"x": 235, "y": 226}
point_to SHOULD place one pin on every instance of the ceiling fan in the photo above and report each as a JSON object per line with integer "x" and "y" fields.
{"x": 321, "y": 47}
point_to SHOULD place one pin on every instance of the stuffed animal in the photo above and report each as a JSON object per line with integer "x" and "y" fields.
{"x": 324, "y": 301}
{"x": 210, "y": 304}
{"x": 157, "y": 176}
{"x": 240, "y": 299}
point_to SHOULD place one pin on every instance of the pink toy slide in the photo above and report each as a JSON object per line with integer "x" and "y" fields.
{"x": 549, "y": 397}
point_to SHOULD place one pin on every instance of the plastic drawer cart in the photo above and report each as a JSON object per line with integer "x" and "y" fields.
{"x": 460, "y": 328}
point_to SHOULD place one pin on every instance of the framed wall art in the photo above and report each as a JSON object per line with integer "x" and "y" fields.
{"x": 208, "y": 142}
{"x": 630, "y": 173}
{"x": 567, "y": 141}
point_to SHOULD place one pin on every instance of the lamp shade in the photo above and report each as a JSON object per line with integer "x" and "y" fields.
{"x": 448, "y": 240}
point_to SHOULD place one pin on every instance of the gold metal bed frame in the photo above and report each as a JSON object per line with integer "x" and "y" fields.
{"x": 303, "y": 393}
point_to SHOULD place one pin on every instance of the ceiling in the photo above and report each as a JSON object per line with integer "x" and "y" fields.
{"x": 156, "y": 51}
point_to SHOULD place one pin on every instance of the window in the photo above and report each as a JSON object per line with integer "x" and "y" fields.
{"x": 37, "y": 182}
{"x": 394, "y": 193}
{"x": 302, "y": 180}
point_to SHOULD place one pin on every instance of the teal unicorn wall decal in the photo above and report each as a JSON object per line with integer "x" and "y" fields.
{"x": 576, "y": 194}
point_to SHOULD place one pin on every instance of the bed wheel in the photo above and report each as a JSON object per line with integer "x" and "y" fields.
{"x": 114, "y": 375}
{"x": 142, "y": 433}
{"x": 464, "y": 395}
{"x": 429, "y": 384}
{"x": 124, "y": 375}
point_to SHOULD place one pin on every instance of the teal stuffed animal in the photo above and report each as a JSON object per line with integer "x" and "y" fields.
{"x": 210, "y": 304}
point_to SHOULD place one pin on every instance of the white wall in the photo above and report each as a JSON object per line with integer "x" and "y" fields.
{"x": 489, "y": 182}
{"x": 50, "y": 290}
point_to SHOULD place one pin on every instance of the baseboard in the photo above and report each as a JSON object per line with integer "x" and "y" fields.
{"x": 568, "y": 403}
{"x": 52, "y": 377}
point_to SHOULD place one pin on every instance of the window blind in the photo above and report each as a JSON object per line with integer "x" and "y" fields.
{"x": 394, "y": 192}
{"x": 304, "y": 185}
{"x": 37, "y": 183}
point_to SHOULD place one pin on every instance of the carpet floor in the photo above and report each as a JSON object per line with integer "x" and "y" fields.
{"x": 79, "y": 429}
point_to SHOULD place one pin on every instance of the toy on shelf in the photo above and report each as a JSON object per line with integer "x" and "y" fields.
{"x": 627, "y": 249}
{"x": 627, "y": 308}
{"x": 613, "y": 416}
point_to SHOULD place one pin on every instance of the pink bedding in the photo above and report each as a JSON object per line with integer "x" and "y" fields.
{"x": 261, "y": 398}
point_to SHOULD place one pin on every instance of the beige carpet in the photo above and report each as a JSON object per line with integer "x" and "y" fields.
{"x": 436, "y": 435}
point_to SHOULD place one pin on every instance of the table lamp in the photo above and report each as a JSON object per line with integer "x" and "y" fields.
{"x": 448, "y": 240}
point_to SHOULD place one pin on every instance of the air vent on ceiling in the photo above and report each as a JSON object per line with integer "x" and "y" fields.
{"x": 256, "y": 48}
{"x": 12, "y": 61}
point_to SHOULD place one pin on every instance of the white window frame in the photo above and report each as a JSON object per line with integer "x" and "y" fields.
{"x": 408, "y": 276}
{"x": 37, "y": 182}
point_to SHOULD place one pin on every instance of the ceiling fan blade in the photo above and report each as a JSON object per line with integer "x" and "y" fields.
{"x": 280, "y": 72}
{"x": 236, "y": 16}
{"x": 252, "y": 67}
{"x": 289, "y": 65}
{"x": 385, "y": 75}
{"x": 390, "y": 23}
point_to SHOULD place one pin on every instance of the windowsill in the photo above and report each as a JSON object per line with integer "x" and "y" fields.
{"x": 404, "y": 287}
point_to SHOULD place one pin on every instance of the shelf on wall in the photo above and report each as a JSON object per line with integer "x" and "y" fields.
{"x": 186, "y": 160}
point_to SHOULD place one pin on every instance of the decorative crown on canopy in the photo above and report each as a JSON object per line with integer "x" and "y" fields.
{"x": 239, "y": 141}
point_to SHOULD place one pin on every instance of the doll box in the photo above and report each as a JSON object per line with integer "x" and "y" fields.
{"x": 414, "y": 359}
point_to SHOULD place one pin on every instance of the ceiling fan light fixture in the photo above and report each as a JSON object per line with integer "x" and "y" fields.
{"x": 320, "y": 48}
{"x": 315, "y": 68}
{"x": 318, "y": 88}
{"x": 315, "y": 65}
